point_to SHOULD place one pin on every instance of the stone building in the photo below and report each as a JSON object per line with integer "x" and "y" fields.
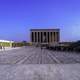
{"x": 6, "y": 43}
{"x": 45, "y": 36}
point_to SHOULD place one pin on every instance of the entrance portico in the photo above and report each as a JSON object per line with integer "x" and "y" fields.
{"x": 45, "y": 36}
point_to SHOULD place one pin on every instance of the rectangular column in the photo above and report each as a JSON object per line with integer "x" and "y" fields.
{"x": 34, "y": 36}
{"x": 31, "y": 36}
{"x": 42, "y": 37}
{"x": 46, "y": 37}
{"x": 53, "y": 37}
{"x": 49, "y": 37}
{"x": 37, "y": 37}
{"x": 58, "y": 37}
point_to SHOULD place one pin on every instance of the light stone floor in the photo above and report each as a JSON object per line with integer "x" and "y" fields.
{"x": 40, "y": 72}
{"x": 33, "y": 55}
{"x": 9, "y": 48}
{"x": 31, "y": 63}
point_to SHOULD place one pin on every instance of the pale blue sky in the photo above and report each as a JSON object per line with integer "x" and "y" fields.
{"x": 17, "y": 17}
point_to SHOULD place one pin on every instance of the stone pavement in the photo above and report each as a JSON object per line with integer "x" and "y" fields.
{"x": 9, "y": 48}
{"x": 40, "y": 72}
{"x": 32, "y": 55}
{"x": 30, "y": 63}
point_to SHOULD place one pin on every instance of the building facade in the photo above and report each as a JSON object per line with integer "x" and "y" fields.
{"x": 45, "y": 36}
{"x": 6, "y": 43}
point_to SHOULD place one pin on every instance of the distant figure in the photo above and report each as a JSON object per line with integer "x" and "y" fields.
{"x": 0, "y": 47}
{"x": 3, "y": 47}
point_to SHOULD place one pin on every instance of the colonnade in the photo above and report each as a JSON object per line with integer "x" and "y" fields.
{"x": 44, "y": 37}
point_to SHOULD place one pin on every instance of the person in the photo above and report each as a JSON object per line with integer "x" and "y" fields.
{"x": 0, "y": 47}
{"x": 3, "y": 47}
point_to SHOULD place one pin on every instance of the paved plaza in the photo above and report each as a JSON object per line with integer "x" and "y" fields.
{"x": 32, "y": 63}
{"x": 40, "y": 72}
{"x": 34, "y": 55}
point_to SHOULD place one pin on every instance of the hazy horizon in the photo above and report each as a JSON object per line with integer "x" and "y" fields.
{"x": 17, "y": 17}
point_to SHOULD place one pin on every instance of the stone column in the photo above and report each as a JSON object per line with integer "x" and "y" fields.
{"x": 30, "y": 36}
{"x": 40, "y": 37}
{"x": 37, "y": 37}
{"x": 55, "y": 37}
{"x": 34, "y": 36}
{"x": 58, "y": 36}
{"x": 46, "y": 37}
{"x": 52, "y": 36}
{"x": 49, "y": 37}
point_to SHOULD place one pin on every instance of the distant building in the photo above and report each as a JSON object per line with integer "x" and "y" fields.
{"x": 6, "y": 43}
{"x": 45, "y": 36}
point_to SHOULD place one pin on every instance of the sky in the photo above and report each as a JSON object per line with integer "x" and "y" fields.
{"x": 17, "y": 17}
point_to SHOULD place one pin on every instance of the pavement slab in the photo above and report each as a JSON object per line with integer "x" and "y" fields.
{"x": 33, "y": 55}
{"x": 31, "y": 63}
{"x": 40, "y": 72}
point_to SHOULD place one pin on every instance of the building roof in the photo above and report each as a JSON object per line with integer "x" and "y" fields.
{"x": 6, "y": 41}
{"x": 44, "y": 29}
